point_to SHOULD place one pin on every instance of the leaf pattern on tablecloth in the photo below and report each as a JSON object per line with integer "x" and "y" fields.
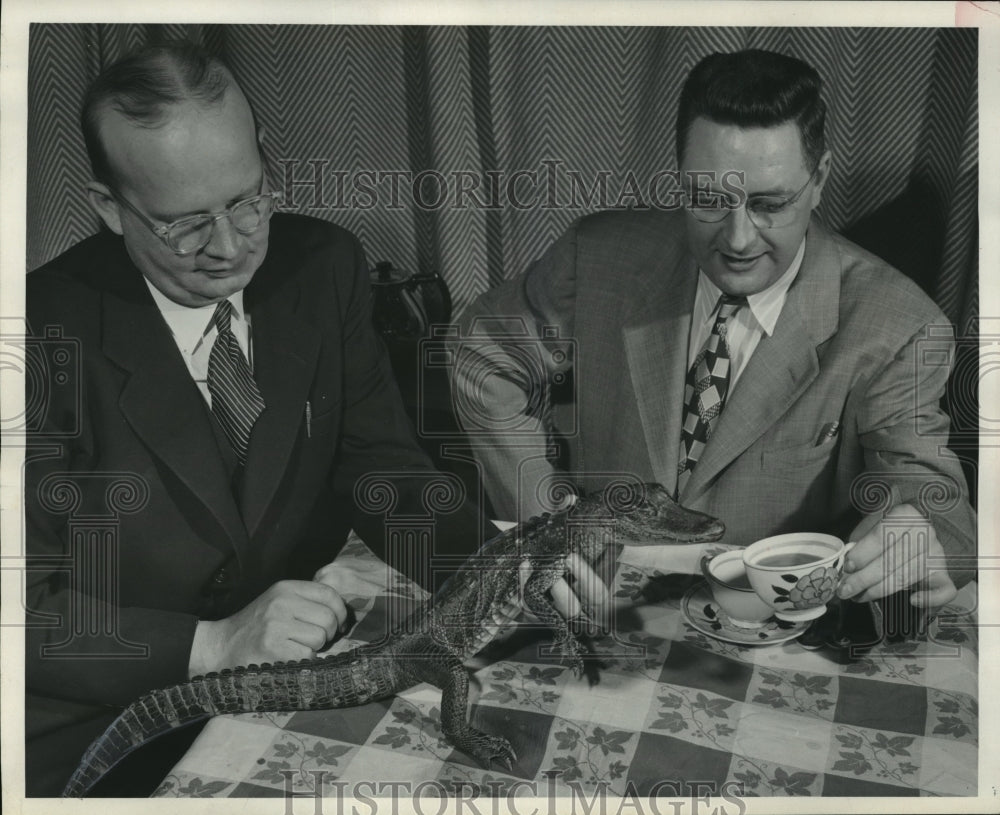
{"x": 326, "y": 755}
{"x": 275, "y": 718}
{"x": 699, "y": 717}
{"x": 741, "y": 653}
{"x": 167, "y": 786}
{"x": 630, "y": 583}
{"x": 896, "y": 661}
{"x": 189, "y": 785}
{"x": 648, "y": 654}
{"x": 811, "y": 694}
{"x": 529, "y": 686}
{"x": 296, "y": 758}
{"x": 197, "y": 788}
{"x": 412, "y": 727}
{"x": 607, "y": 742}
{"x": 767, "y": 779}
{"x": 585, "y": 754}
{"x": 590, "y": 757}
{"x": 954, "y": 715}
{"x": 885, "y": 758}
{"x": 643, "y": 585}
{"x": 955, "y": 625}
{"x": 272, "y": 772}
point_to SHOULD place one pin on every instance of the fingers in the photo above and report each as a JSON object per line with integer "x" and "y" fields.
{"x": 565, "y": 601}
{"x": 317, "y": 604}
{"x": 938, "y": 591}
{"x": 330, "y": 616}
{"x": 896, "y": 568}
{"x": 355, "y": 580}
{"x": 286, "y": 650}
{"x": 291, "y": 620}
{"x": 589, "y": 588}
{"x": 580, "y": 595}
{"x": 311, "y": 637}
{"x": 894, "y": 555}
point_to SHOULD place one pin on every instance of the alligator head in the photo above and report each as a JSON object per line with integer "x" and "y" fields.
{"x": 646, "y": 514}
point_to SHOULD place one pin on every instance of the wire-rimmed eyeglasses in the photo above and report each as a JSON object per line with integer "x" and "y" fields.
{"x": 765, "y": 211}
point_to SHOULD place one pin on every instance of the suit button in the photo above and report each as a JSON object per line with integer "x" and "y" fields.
{"x": 221, "y": 576}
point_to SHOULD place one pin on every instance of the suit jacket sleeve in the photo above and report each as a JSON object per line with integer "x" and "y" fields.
{"x": 903, "y": 432}
{"x": 514, "y": 341}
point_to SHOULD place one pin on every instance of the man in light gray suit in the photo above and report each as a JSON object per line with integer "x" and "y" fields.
{"x": 768, "y": 370}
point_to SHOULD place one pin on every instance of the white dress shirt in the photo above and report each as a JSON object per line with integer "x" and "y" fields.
{"x": 195, "y": 333}
{"x": 749, "y": 325}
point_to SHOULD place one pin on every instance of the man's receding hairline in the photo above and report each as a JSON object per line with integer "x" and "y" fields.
{"x": 106, "y": 108}
{"x": 207, "y": 89}
{"x": 165, "y": 110}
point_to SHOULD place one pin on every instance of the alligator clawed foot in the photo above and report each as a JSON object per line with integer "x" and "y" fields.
{"x": 488, "y": 749}
{"x": 572, "y": 651}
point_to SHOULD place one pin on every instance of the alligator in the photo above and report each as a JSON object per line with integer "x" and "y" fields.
{"x": 431, "y": 645}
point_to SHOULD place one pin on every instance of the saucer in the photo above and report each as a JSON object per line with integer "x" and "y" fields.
{"x": 702, "y": 614}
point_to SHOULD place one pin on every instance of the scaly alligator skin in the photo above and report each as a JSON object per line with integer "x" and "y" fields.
{"x": 461, "y": 619}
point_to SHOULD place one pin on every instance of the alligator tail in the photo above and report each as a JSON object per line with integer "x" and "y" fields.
{"x": 345, "y": 680}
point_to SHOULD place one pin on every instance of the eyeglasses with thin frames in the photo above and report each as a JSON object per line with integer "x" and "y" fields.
{"x": 765, "y": 211}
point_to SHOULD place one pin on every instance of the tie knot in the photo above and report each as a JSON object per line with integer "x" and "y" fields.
{"x": 223, "y": 316}
{"x": 729, "y": 304}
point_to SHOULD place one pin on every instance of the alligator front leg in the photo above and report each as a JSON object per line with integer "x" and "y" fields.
{"x": 483, "y": 747}
{"x": 445, "y": 670}
{"x": 537, "y": 601}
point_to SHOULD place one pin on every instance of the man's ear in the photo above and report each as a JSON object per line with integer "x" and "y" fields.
{"x": 104, "y": 204}
{"x": 822, "y": 174}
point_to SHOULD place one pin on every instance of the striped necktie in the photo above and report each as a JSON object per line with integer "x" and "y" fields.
{"x": 236, "y": 399}
{"x": 706, "y": 389}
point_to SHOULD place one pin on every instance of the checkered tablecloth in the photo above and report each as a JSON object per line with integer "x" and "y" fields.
{"x": 673, "y": 708}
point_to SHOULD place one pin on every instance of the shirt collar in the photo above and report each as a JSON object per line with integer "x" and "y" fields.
{"x": 189, "y": 324}
{"x": 765, "y": 306}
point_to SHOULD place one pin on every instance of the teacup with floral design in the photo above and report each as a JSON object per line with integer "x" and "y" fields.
{"x": 796, "y": 574}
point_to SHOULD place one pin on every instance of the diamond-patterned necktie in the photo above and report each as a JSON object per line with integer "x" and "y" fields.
{"x": 236, "y": 399}
{"x": 706, "y": 389}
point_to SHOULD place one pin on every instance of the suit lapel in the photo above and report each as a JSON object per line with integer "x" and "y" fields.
{"x": 161, "y": 402}
{"x": 782, "y": 366}
{"x": 656, "y": 346}
{"x": 286, "y": 349}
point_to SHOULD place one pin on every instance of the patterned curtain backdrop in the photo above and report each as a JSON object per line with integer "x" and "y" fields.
{"x": 538, "y": 125}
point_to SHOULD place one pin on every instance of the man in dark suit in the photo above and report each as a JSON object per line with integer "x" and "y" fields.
{"x": 818, "y": 368}
{"x": 231, "y": 398}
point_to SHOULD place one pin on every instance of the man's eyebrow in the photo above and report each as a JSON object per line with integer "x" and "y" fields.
{"x": 719, "y": 187}
{"x": 780, "y": 192}
{"x": 247, "y": 192}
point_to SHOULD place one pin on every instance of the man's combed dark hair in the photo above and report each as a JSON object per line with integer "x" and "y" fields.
{"x": 755, "y": 88}
{"x": 142, "y": 87}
